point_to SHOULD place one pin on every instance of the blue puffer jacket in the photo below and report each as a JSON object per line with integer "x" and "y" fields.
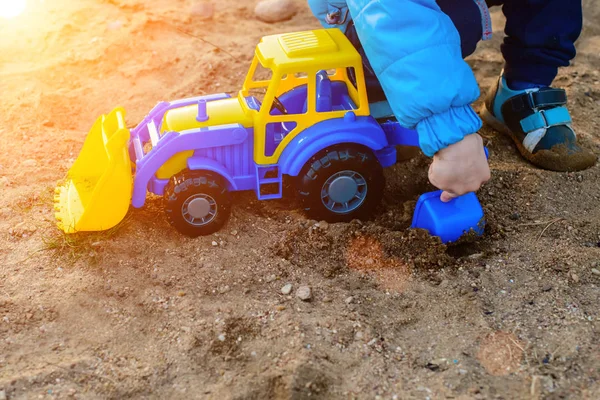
{"x": 414, "y": 49}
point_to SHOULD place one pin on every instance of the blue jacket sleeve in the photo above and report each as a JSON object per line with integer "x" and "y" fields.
{"x": 415, "y": 52}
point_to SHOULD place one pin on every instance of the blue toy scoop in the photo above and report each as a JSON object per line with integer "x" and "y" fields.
{"x": 449, "y": 220}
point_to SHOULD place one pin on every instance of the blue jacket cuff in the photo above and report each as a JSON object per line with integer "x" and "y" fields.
{"x": 441, "y": 130}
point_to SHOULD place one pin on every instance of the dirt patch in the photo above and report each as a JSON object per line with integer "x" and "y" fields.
{"x": 500, "y": 353}
{"x": 233, "y": 331}
{"x": 366, "y": 254}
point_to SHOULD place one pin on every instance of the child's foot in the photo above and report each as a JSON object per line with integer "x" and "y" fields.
{"x": 540, "y": 125}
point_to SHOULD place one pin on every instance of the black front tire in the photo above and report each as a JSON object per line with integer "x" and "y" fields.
{"x": 197, "y": 203}
{"x": 345, "y": 162}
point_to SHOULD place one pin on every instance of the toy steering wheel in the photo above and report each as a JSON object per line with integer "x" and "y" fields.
{"x": 277, "y": 104}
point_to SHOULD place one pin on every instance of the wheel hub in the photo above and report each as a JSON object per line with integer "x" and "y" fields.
{"x": 342, "y": 189}
{"x": 199, "y": 209}
{"x": 344, "y": 192}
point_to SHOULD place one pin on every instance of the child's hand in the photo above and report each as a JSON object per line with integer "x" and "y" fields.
{"x": 460, "y": 168}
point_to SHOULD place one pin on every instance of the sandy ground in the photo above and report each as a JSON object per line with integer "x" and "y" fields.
{"x": 144, "y": 312}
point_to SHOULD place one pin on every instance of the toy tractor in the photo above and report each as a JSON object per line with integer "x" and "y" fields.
{"x": 310, "y": 120}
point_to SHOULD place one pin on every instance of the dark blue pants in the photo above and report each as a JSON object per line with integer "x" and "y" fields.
{"x": 540, "y": 37}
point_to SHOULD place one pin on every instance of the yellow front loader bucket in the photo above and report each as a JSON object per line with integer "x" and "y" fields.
{"x": 97, "y": 190}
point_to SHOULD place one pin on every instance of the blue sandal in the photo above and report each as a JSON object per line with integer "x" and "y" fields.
{"x": 539, "y": 124}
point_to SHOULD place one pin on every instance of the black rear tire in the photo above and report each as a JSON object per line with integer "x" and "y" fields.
{"x": 343, "y": 172}
{"x": 197, "y": 203}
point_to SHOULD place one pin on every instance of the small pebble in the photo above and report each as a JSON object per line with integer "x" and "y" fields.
{"x": 275, "y": 10}
{"x": 224, "y": 289}
{"x": 3, "y": 395}
{"x": 547, "y": 288}
{"x": 349, "y": 299}
{"x": 214, "y": 243}
{"x": 221, "y": 337}
{"x": 323, "y": 225}
{"x": 515, "y": 216}
{"x": 595, "y": 271}
{"x": 303, "y": 293}
{"x": 439, "y": 361}
{"x": 575, "y": 278}
{"x": 270, "y": 278}
{"x": 286, "y": 289}
{"x": 234, "y": 232}
{"x": 202, "y": 10}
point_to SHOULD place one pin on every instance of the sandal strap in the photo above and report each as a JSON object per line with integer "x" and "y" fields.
{"x": 546, "y": 119}
{"x": 540, "y": 99}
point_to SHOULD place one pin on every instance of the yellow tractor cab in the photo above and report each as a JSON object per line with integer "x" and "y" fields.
{"x": 309, "y": 83}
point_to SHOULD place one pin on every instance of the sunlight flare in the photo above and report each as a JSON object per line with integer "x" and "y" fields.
{"x": 12, "y": 8}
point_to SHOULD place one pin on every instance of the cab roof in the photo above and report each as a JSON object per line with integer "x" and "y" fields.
{"x": 308, "y": 50}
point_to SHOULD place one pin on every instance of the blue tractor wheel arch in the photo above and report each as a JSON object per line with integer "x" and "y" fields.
{"x": 362, "y": 132}
{"x": 207, "y": 164}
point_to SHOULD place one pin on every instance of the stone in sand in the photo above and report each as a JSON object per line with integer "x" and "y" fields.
{"x": 275, "y": 10}
{"x": 303, "y": 293}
